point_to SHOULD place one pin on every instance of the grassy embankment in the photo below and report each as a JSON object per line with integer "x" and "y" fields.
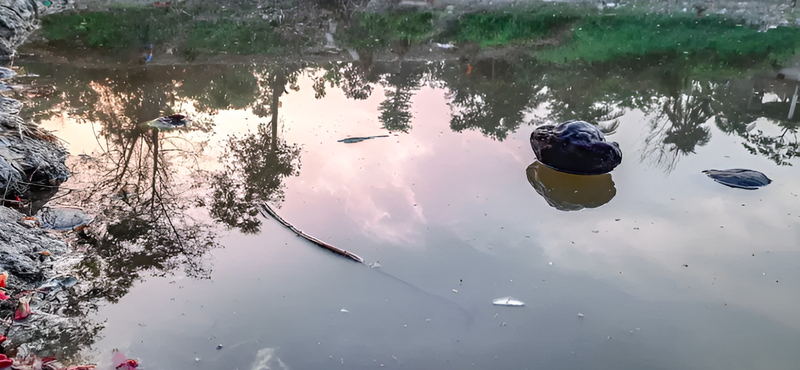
{"x": 118, "y": 30}
{"x": 580, "y": 34}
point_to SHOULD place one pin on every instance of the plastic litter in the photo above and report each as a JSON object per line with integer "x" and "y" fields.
{"x": 23, "y": 308}
{"x": 168, "y": 122}
{"x": 58, "y": 283}
{"x": 508, "y": 301}
{"x": 62, "y": 218}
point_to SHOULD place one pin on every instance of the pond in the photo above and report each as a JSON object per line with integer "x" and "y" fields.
{"x": 654, "y": 265}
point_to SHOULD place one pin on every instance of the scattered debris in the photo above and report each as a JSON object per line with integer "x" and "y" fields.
{"x": 57, "y": 284}
{"x": 508, "y": 301}
{"x": 62, "y": 218}
{"x": 351, "y": 140}
{"x": 168, "y": 122}
{"x": 23, "y": 308}
{"x": 120, "y": 362}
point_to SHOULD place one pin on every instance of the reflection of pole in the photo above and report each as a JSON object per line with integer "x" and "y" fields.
{"x": 278, "y": 86}
{"x": 794, "y": 102}
{"x": 274, "y": 109}
{"x": 155, "y": 164}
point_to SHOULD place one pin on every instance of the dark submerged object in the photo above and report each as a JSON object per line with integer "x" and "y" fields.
{"x": 569, "y": 192}
{"x": 575, "y": 147}
{"x": 739, "y": 178}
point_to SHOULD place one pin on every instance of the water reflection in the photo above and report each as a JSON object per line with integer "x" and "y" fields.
{"x": 492, "y": 95}
{"x": 138, "y": 186}
{"x": 256, "y": 163}
{"x": 158, "y": 206}
{"x": 760, "y": 111}
{"x": 568, "y": 192}
{"x": 677, "y": 128}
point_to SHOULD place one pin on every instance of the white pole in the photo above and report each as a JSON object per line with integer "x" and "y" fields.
{"x": 794, "y": 101}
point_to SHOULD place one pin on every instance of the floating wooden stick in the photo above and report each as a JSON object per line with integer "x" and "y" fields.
{"x": 268, "y": 210}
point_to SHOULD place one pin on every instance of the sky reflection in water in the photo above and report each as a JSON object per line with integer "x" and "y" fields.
{"x": 674, "y": 271}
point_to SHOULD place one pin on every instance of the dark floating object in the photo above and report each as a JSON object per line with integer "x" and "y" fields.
{"x": 575, "y": 147}
{"x": 569, "y": 192}
{"x": 169, "y": 122}
{"x": 62, "y": 218}
{"x": 351, "y": 140}
{"x": 739, "y": 178}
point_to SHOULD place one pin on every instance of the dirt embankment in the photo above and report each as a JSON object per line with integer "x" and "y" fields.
{"x": 31, "y": 168}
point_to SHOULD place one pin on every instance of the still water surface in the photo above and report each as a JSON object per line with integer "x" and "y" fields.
{"x": 654, "y": 266}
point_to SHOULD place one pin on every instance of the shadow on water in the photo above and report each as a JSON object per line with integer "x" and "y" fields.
{"x": 568, "y": 192}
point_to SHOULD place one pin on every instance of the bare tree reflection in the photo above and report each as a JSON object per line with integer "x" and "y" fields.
{"x": 142, "y": 208}
{"x": 139, "y": 188}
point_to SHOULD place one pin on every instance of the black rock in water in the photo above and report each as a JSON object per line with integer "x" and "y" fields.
{"x": 575, "y": 147}
{"x": 739, "y": 178}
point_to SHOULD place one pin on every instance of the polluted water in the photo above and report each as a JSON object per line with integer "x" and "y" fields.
{"x": 508, "y": 301}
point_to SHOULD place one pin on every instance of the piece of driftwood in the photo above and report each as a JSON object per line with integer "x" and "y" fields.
{"x": 269, "y": 211}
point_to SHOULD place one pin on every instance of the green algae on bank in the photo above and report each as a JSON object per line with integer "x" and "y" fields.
{"x": 124, "y": 29}
{"x": 606, "y": 38}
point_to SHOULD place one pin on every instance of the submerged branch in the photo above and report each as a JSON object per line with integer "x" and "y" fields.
{"x": 269, "y": 211}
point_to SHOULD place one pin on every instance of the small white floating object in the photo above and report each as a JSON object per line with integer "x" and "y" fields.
{"x": 344, "y": 310}
{"x": 455, "y": 290}
{"x": 580, "y": 314}
{"x": 508, "y": 301}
